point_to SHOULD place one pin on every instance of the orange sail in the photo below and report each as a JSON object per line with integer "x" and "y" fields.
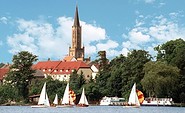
{"x": 72, "y": 95}
{"x": 140, "y": 96}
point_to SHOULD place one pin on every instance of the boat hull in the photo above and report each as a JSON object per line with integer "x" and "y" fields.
{"x": 131, "y": 106}
{"x": 39, "y": 106}
{"x": 82, "y": 105}
{"x": 64, "y": 106}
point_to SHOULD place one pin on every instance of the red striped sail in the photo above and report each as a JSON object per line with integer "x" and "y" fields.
{"x": 140, "y": 96}
{"x": 72, "y": 94}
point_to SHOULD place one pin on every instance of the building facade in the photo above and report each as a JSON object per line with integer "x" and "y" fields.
{"x": 61, "y": 70}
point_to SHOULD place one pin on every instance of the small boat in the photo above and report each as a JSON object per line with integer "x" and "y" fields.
{"x": 83, "y": 100}
{"x": 133, "y": 98}
{"x": 43, "y": 99}
{"x": 67, "y": 100}
{"x": 158, "y": 102}
{"x": 112, "y": 101}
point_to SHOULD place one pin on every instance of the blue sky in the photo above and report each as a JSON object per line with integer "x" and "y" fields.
{"x": 44, "y": 27}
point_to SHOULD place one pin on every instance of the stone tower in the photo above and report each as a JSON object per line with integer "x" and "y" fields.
{"x": 76, "y": 50}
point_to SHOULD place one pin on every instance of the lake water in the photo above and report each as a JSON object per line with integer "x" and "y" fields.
{"x": 91, "y": 109}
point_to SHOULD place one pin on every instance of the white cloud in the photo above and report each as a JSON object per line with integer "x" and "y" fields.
{"x": 149, "y": 1}
{"x": 46, "y": 41}
{"x": 108, "y": 45}
{"x": 138, "y": 36}
{"x": 92, "y": 33}
{"x": 148, "y": 35}
{"x": 162, "y": 4}
{"x": 110, "y": 48}
{"x": 90, "y": 50}
{"x": 3, "y": 20}
{"x": 124, "y": 51}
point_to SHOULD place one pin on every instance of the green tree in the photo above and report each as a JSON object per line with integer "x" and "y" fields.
{"x": 76, "y": 82}
{"x": 92, "y": 92}
{"x": 133, "y": 70}
{"x": 101, "y": 81}
{"x": 8, "y": 93}
{"x": 173, "y": 53}
{"x": 104, "y": 73}
{"x": 160, "y": 79}
{"x": 21, "y": 73}
{"x": 115, "y": 81}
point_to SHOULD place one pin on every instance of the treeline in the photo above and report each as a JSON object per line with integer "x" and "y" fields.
{"x": 159, "y": 76}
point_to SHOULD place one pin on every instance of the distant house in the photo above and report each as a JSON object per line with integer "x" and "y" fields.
{"x": 39, "y": 74}
{"x": 3, "y": 72}
{"x": 95, "y": 71}
{"x": 61, "y": 70}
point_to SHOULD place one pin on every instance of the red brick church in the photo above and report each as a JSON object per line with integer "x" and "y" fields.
{"x": 75, "y": 60}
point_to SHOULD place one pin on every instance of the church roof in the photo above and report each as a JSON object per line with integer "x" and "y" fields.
{"x": 76, "y": 19}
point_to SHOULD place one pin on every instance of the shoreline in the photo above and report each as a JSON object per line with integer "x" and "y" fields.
{"x": 29, "y": 104}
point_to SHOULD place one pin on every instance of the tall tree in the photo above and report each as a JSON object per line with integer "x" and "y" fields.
{"x": 133, "y": 69}
{"x": 21, "y": 72}
{"x": 115, "y": 81}
{"x": 173, "y": 53}
{"x": 160, "y": 79}
{"x": 76, "y": 81}
{"x": 104, "y": 73}
{"x": 92, "y": 91}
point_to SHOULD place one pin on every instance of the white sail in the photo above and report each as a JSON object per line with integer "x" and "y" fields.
{"x": 47, "y": 101}
{"x": 43, "y": 99}
{"x": 65, "y": 99}
{"x": 83, "y": 99}
{"x": 133, "y": 98}
{"x": 42, "y": 95}
{"x": 55, "y": 100}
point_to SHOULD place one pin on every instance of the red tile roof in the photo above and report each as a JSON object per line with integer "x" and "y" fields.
{"x": 3, "y": 72}
{"x": 59, "y": 67}
{"x": 46, "y": 64}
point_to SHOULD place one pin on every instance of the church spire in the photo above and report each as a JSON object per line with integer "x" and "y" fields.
{"x": 76, "y": 19}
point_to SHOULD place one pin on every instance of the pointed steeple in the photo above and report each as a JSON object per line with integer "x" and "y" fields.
{"x": 76, "y": 19}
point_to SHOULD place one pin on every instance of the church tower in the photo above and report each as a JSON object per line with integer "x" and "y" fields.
{"x": 76, "y": 50}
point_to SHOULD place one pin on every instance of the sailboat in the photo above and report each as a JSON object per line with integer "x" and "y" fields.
{"x": 55, "y": 102}
{"x": 83, "y": 100}
{"x": 133, "y": 98}
{"x": 43, "y": 99}
{"x": 67, "y": 100}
